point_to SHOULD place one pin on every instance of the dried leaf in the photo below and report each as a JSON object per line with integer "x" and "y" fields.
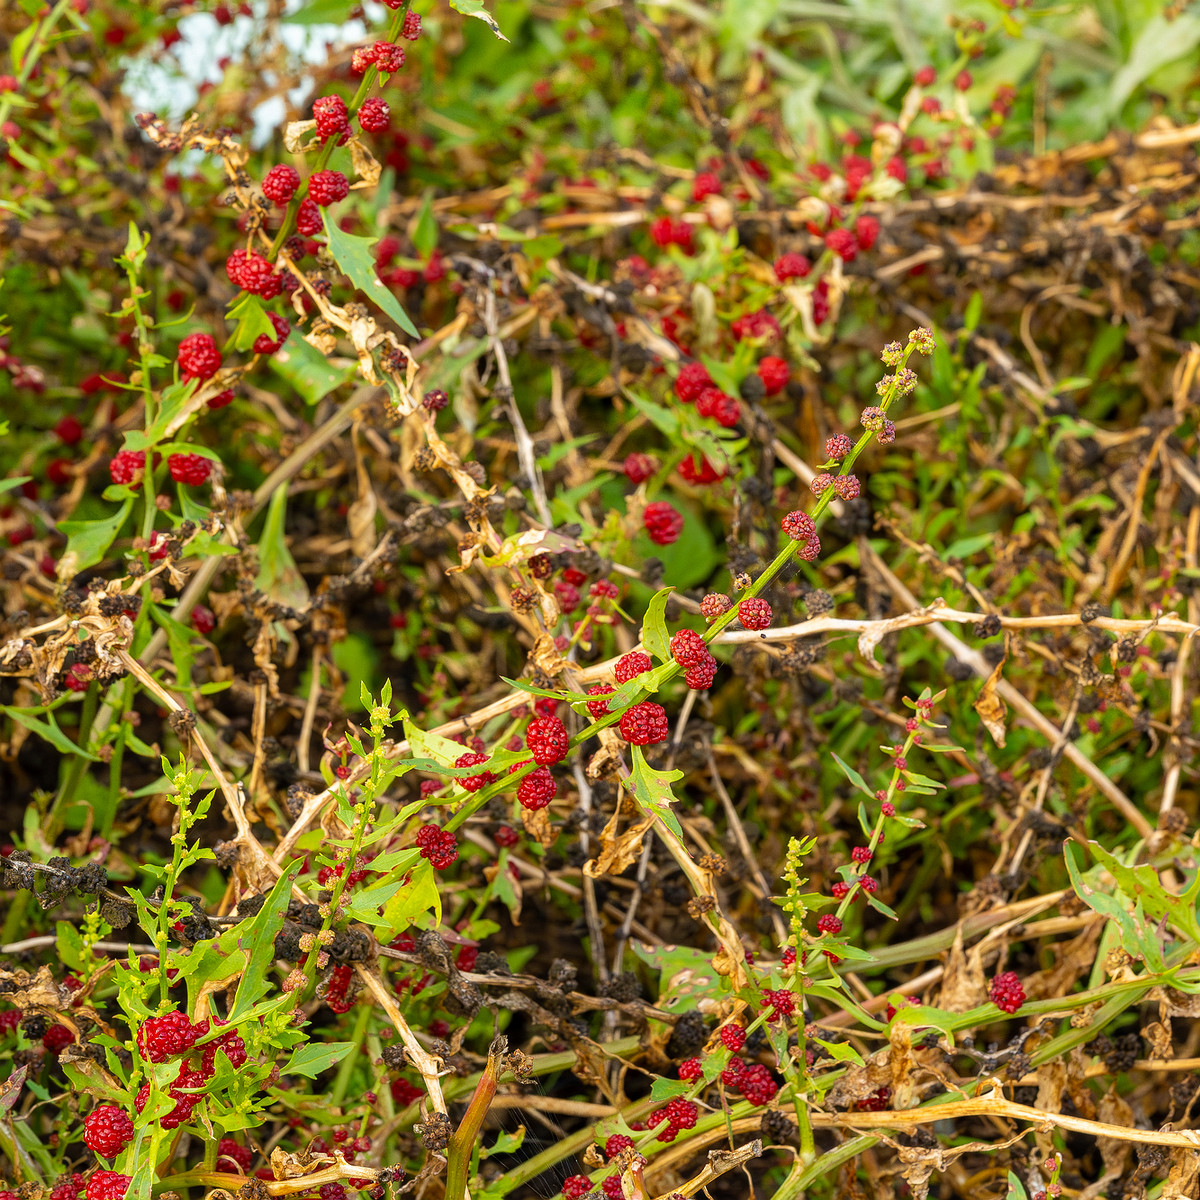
{"x": 365, "y": 165}
{"x": 991, "y": 708}
{"x": 294, "y": 133}
{"x": 963, "y": 984}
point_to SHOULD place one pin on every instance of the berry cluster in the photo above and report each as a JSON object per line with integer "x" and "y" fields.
{"x": 1006, "y": 992}
{"x": 439, "y": 846}
{"x": 679, "y": 1114}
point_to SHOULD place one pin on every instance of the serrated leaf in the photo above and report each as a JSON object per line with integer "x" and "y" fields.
{"x": 666, "y": 1089}
{"x": 654, "y": 626}
{"x": 252, "y": 322}
{"x": 258, "y": 936}
{"x": 89, "y": 541}
{"x": 475, "y": 8}
{"x": 353, "y": 255}
{"x": 652, "y": 790}
{"x": 311, "y": 1059}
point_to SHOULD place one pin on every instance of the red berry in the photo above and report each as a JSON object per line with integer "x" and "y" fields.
{"x": 842, "y": 243}
{"x": 308, "y": 219}
{"x": 962, "y": 81}
{"x": 754, "y": 613}
{"x": 774, "y": 373}
{"x": 757, "y": 1084}
{"x": 280, "y": 183}
{"x": 375, "y": 114}
{"x": 575, "y": 1186}
{"x": 192, "y": 469}
{"x": 160, "y": 1038}
{"x": 435, "y": 400}
{"x": 106, "y": 1185}
{"x": 198, "y": 356}
{"x": 126, "y": 465}
{"x": 829, "y": 923}
{"x": 331, "y": 117}
{"x": 473, "y": 782}
{"x": 599, "y": 708}
{"x": 616, "y": 1143}
{"x": 265, "y": 344}
{"x": 327, "y": 187}
{"x": 866, "y": 229}
{"x": 388, "y": 57}
{"x": 799, "y": 526}
{"x": 700, "y": 675}
{"x": 714, "y": 605}
{"x": 925, "y": 76}
{"x": 861, "y": 854}
{"x": 733, "y": 1037}
{"x": 57, "y": 1038}
{"x": 662, "y": 523}
{"x": 439, "y": 846}
{"x": 1006, "y": 992}
{"x": 791, "y": 266}
{"x": 8, "y": 83}
{"x": 780, "y": 1001}
{"x": 682, "y": 1113}
{"x": 847, "y": 486}
{"x": 547, "y": 740}
{"x": 877, "y": 1101}
{"x": 838, "y": 447}
{"x": 631, "y": 665}
{"x": 251, "y": 272}
{"x": 612, "y": 1188}
{"x": 506, "y": 835}
{"x": 69, "y": 431}
{"x": 537, "y": 789}
{"x": 639, "y": 467}
{"x": 644, "y": 724}
{"x": 203, "y": 619}
{"x": 688, "y": 647}
{"x": 221, "y": 399}
{"x": 692, "y": 379}
{"x": 412, "y": 24}
{"x": 705, "y": 184}
{"x": 690, "y": 1070}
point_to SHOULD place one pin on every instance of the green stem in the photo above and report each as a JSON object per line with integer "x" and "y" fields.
{"x": 327, "y": 149}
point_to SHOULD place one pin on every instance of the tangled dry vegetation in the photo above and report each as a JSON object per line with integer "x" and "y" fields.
{"x": 889, "y": 892}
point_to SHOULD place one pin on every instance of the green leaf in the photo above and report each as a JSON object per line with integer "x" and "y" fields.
{"x": 307, "y": 370}
{"x": 1101, "y": 902}
{"x": 258, "y": 937}
{"x": 505, "y": 1143}
{"x": 252, "y": 321}
{"x": 49, "y": 730}
{"x": 433, "y": 745}
{"x": 8, "y": 485}
{"x": 353, "y": 255}
{"x": 665, "y": 421}
{"x": 1143, "y": 884}
{"x": 425, "y": 235}
{"x": 69, "y": 944}
{"x": 475, "y": 8}
{"x": 1016, "y": 1189}
{"x": 654, "y": 626}
{"x": 170, "y": 405}
{"x": 665, "y": 1089}
{"x": 652, "y": 790}
{"x": 179, "y": 639}
{"x": 312, "y": 1058}
{"x": 965, "y": 547}
{"x": 413, "y": 904}
{"x": 89, "y": 541}
{"x": 854, "y": 777}
{"x": 1160, "y": 42}
{"x": 841, "y": 1051}
{"x": 277, "y": 573}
